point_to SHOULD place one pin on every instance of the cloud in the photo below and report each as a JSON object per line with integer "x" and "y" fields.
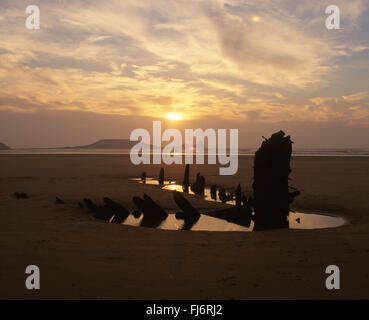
{"x": 356, "y": 96}
{"x": 261, "y": 55}
{"x": 143, "y": 58}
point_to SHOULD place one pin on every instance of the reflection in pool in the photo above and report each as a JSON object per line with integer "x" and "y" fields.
{"x": 172, "y": 186}
{"x": 205, "y": 223}
{"x": 207, "y": 193}
{"x": 211, "y": 221}
{"x": 297, "y": 220}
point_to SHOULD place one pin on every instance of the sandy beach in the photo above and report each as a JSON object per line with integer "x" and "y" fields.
{"x": 80, "y": 257}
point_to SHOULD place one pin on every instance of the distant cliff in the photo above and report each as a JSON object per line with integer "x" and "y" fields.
{"x": 108, "y": 144}
{"x": 126, "y": 144}
{"x": 4, "y": 147}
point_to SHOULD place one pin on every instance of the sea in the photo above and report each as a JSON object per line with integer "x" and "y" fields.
{"x": 307, "y": 152}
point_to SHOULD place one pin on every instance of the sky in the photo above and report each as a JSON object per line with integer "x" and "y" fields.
{"x": 99, "y": 69}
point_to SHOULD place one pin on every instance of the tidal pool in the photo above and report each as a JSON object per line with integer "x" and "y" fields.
{"x": 207, "y": 221}
{"x": 171, "y": 185}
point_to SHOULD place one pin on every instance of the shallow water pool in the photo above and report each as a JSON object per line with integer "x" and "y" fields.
{"x": 207, "y": 221}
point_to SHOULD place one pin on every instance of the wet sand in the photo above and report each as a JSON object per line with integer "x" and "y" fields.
{"x": 80, "y": 257}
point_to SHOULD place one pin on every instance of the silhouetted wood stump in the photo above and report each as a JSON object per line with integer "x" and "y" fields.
{"x": 199, "y": 186}
{"x": 271, "y": 192}
{"x": 59, "y": 201}
{"x": 98, "y": 212}
{"x": 120, "y": 213}
{"x": 153, "y": 214}
{"x": 21, "y": 195}
{"x": 161, "y": 176}
{"x": 189, "y": 214}
{"x": 143, "y": 177}
{"x": 213, "y": 191}
{"x": 186, "y": 179}
{"x": 238, "y": 195}
{"x": 222, "y": 195}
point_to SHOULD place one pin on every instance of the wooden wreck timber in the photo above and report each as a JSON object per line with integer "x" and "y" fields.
{"x": 271, "y": 191}
{"x": 161, "y": 176}
{"x": 186, "y": 179}
{"x": 199, "y": 186}
{"x": 238, "y": 196}
{"x": 98, "y": 212}
{"x": 21, "y": 195}
{"x": 213, "y": 191}
{"x": 59, "y": 201}
{"x": 143, "y": 177}
{"x": 119, "y": 211}
{"x": 153, "y": 214}
{"x": 189, "y": 214}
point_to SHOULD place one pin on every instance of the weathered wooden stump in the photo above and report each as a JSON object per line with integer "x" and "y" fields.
{"x": 153, "y": 214}
{"x": 21, "y": 195}
{"x": 161, "y": 176}
{"x": 143, "y": 177}
{"x": 120, "y": 212}
{"x": 199, "y": 186}
{"x": 59, "y": 201}
{"x": 222, "y": 195}
{"x": 98, "y": 212}
{"x": 271, "y": 192}
{"x": 189, "y": 214}
{"x": 186, "y": 179}
{"x": 213, "y": 191}
{"x": 238, "y": 195}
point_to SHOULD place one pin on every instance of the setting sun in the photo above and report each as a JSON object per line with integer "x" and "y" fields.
{"x": 174, "y": 116}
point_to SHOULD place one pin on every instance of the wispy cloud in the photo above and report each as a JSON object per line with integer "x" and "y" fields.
{"x": 200, "y": 57}
{"x": 356, "y": 97}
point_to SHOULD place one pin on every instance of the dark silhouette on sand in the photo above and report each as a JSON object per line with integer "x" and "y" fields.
{"x": 186, "y": 179}
{"x": 137, "y": 214}
{"x": 110, "y": 211}
{"x": 153, "y": 214}
{"x": 99, "y": 212}
{"x": 120, "y": 212}
{"x": 143, "y": 177}
{"x": 21, "y": 195}
{"x": 213, "y": 192}
{"x": 247, "y": 204}
{"x": 161, "y": 176}
{"x": 199, "y": 186}
{"x": 238, "y": 195}
{"x": 224, "y": 196}
{"x": 59, "y": 201}
{"x": 271, "y": 190}
{"x": 189, "y": 214}
{"x": 139, "y": 203}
